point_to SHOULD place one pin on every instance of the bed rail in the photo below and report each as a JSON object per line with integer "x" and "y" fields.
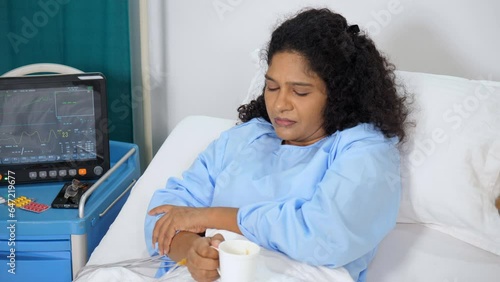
{"x": 83, "y": 199}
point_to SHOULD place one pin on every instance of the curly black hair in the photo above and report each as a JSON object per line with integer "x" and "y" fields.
{"x": 360, "y": 81}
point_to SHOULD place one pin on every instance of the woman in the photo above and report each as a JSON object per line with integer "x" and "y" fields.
{"x": 313, "y": 169}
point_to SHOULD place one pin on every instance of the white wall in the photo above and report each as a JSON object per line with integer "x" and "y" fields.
{"x": 205, "y": 60}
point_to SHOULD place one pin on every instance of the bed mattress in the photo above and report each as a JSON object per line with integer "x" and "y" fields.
{"x": 411, "y": 252}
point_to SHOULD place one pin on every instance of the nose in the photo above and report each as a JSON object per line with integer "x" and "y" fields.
{"x": 283, "y": 102}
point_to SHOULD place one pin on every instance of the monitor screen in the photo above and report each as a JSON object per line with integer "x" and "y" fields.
{"x": 53, "y": 127}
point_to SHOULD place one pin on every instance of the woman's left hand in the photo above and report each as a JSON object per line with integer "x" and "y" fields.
{"x": 176, "y": 219}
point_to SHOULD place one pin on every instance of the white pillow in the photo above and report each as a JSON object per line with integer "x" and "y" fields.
{"x": 258, "y": 80}
{"x": 451, "y": 162}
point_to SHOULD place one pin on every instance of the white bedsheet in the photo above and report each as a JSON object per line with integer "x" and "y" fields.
{"x": 410, "y": 253}
{"x": 417, "y": 253}
{"x": 272, "y": 267}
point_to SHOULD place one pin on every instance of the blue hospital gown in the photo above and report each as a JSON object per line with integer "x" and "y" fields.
{"x": 329, "y": 203}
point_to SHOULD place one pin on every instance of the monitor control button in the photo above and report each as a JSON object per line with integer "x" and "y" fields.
{"x": 42, "y": 174}
{"x": 53, "y": 173}
{"x": 62, "y": 173}
{"x": 82, "y": 171}
{"x": 32, "y": 174}
{"x": 98, "y": 170}
{"x": 72, "y": 172}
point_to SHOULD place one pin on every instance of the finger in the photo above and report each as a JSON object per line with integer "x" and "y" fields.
{"x": 157, "y": 230}
{"x": 161, "y": 228}
{"x": 166, "y": 234}
{"x": 154, "y": 237}
{"x": 219, "y": 237}
{"x": 208, "y": 252}
{"x": 204, "y": 275}
{"x": 200, "y": 274}
{"x": 216, "y": 240}
{"x": 167, "y": 240}
{"x": 202, "y": 262}
{"x": 160, "y": 209}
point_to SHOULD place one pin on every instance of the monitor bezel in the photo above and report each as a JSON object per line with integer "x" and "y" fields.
{"x": 98, "y": 82}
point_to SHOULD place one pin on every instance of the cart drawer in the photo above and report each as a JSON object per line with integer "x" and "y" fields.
{"x": 35, "y": 266}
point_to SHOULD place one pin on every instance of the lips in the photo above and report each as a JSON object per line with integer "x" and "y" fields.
{"x": 283, "y": 122}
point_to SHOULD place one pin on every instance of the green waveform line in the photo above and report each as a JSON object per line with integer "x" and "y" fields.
{"x": 41, "y": 99}
{"x": 51, "y": 132}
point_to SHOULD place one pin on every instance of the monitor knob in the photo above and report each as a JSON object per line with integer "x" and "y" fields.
{"x": 98, "y": 170}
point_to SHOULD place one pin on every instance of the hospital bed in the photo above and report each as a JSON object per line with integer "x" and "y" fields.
{"x": 448, "y": 228}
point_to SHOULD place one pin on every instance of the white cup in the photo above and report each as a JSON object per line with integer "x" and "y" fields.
{"x": 238, "y": 260}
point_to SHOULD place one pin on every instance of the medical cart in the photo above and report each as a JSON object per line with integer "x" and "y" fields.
{"x": 53, "y": 245}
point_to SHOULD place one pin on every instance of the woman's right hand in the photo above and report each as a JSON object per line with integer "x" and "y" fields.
{"x": 203, "y": 259}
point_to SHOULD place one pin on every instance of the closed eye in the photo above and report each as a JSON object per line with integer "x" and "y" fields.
{"x": 272, "y": 89}
{"x": 301, "y": 94}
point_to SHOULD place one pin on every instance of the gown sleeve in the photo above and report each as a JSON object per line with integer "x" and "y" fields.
{"x": 353, "y": 207}
{"x": 194, "y": 189}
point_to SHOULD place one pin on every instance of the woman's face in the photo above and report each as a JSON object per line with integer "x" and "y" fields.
{"x": 295, "y": 99}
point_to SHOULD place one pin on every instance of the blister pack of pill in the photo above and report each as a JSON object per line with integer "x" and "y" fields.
{"x": 29, "y": 204}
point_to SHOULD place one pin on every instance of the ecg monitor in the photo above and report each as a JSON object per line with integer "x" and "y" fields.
{"x": 53, "y": 128}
